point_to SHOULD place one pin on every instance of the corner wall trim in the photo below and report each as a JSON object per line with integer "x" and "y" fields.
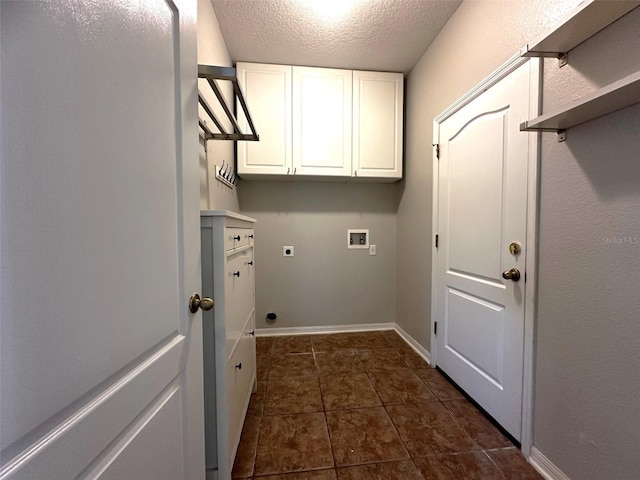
{"x": 544, "y": 466}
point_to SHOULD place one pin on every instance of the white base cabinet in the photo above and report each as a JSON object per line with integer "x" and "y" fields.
{"x": 229, "y": 334}
{"x": 322, "y": 124}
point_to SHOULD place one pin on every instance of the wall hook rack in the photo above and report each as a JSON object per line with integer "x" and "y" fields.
{"x": 226, "y": 174}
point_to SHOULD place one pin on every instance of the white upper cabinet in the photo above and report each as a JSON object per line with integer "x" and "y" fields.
{"x": 267, "y": 89}
{"x": 377, "y": 124}
{"x": 322, "y": 121}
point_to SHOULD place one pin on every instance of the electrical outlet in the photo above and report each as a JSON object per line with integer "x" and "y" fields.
{"x": 287, "y": 251}
{"x": 372, "y": 250}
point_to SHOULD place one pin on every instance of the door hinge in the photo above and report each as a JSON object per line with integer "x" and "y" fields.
{"x": 435, "y": 328}
{"x": 437, "y": 240}
{"x": 437, "y": 145}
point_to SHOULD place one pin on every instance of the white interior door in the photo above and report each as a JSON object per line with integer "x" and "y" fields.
{"x": 482, "y": 209}
{"x": 101, "y": 362}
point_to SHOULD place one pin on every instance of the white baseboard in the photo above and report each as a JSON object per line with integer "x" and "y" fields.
{"x": 420, "y": 350}
{"x": 362, "y": 327}
{"x": 544, "y": 466}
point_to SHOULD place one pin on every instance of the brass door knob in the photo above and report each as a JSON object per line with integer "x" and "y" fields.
{"x": 513, "y": 274}
{"x": 195, "y": 302}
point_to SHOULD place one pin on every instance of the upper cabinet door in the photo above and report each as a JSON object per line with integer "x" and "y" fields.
{"x": 267, "y": 89}
{"x": 322, "y": 121}
{"x": 377, "y": 124}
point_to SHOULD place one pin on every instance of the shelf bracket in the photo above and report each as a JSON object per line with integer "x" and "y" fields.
{"x": 562, "y": 132}
{"x": 563, "y": 59}
{"x": 562, "y": 135}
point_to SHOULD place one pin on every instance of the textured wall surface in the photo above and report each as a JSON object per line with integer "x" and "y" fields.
{"x": 324, "y": 284}
{"x": 587, "y": 417}
{"x": 212, "y": 50}
{"x": 382, "y": 35}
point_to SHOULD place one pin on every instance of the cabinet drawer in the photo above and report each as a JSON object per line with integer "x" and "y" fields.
{"x": 237, "y": 238}
{"x": 239, "y": 295}
{"x": 240, "y": 378}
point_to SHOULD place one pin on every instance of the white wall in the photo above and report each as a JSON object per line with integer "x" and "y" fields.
{"x": 587, "y": 417}
{"x": 212, "y": 50}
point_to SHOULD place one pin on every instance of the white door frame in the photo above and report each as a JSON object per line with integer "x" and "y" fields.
{"x": 532, "y": 226}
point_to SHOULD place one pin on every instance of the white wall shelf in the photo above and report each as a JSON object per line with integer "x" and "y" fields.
{"x": 615, "y": 96}
{"x": 587, "y": 19}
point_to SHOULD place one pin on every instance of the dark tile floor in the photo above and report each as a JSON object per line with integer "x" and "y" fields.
{"x": 364, "y": 406}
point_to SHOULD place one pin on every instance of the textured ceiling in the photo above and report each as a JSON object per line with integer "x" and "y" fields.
{"x": 385, "y": 35}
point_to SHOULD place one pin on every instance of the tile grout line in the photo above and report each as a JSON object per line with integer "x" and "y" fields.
{"x": 356, "y": 351}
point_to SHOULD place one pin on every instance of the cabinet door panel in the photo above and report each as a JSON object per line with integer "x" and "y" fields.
{"x": 237, "y": 238}
{"x": 322, "y": 121}
{"x": 239, "y": 286}
{"x": 267, "y": 89}
{"x": 377, "y": 124}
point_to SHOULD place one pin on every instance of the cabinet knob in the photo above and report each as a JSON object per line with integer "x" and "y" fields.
{"x": 237, "y": 274}
{"x": 250, "y": 263}
{"x": 239, "y": 366}
{"x": 252, "y": 333}
{"x": 251, "y": 236}
{"x": 237, "y": 237}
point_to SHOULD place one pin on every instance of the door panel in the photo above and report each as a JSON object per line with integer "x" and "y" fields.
{"x": 133, "y": 458}
{"x": 475, "y": 227}
{"x": 98, "y": 146}
{"x": 475, "y": 326}
{"x": 482, "y": 208}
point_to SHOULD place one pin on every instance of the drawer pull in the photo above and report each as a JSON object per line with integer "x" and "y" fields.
{"x": 253, "y": 333}
{"x": 250, "y": 263}
{"x": 239, "y": 366}
{"x": 251, "y": 236}
{"x": 237, "y": 274}
{"x": 237, "y": 237}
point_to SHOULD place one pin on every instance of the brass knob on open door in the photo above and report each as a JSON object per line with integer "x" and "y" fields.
{"x": 195, "y": 302}
{"x": 513, "y": 274}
